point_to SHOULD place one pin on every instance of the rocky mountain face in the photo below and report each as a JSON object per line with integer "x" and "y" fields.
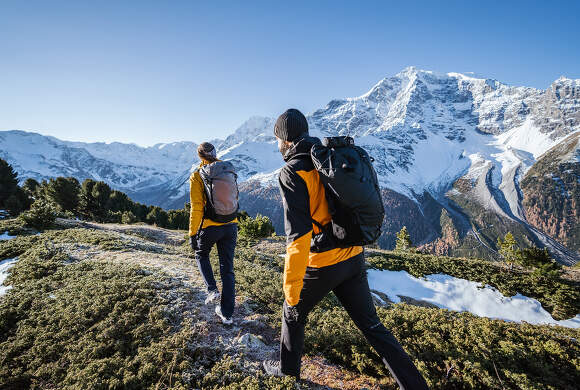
{"x": 551, "y": 193}
{"x": 459, "y": 159}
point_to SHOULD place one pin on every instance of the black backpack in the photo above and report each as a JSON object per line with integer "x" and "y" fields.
{"x": 221, "y": 190}
{"x": 353, "y": 193}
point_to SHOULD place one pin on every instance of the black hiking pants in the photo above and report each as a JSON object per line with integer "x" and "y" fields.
{"x": 348, "y": 281}
{"x": 225, "y": 238}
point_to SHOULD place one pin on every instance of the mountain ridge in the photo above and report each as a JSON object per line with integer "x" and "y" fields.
{"x": 446, "y": 141}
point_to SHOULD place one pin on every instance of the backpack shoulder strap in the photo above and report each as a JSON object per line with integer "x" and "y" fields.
{"x": 299, "y": 156}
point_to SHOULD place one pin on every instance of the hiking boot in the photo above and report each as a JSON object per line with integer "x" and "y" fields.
{"x": 212, "y": 296}
{"x": 272, "y": 368}
{"x": 225, "y": 320}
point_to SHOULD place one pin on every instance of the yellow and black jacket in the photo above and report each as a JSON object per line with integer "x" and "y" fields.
{"x": 304, "y": 200}
{"x": 198, "y": 199}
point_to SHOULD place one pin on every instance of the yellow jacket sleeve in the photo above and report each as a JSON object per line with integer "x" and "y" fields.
{"x": 197, "y": 199}
{"x": 295, "y": 263}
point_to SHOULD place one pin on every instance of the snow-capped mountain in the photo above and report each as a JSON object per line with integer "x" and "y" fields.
{"x": 126, "y": 167}
{"x": 450, "y": 151}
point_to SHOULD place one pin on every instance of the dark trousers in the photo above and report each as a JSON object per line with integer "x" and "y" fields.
{"x": 225, "y": 237}
{"x": 348, "y": 280}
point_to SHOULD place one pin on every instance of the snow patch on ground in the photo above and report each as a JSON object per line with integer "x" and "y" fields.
{"x": 5, "y": 265}
{"x": 457, "y": 294}
{"x": 5, "y": 236}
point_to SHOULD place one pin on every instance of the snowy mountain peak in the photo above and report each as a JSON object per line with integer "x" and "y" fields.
{"x": 424, "y": 130}
{"x": 568, "y": 81}
{"x": 257, "y": 127}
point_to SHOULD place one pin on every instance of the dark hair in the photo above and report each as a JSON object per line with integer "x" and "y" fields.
{"x": 207, "y": 158}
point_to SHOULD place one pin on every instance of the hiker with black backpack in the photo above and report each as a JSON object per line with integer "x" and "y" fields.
{"x": 332, "y": 207}
{"x": 213, "y": 220}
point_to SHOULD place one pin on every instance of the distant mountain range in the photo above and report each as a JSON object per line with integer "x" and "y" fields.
{"x": 461, "y": 160}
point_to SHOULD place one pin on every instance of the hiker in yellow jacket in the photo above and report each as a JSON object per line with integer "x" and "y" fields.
{"x": 207, "y": 227}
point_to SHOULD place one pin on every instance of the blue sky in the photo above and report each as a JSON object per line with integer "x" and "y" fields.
{"x": 163, "y": 71}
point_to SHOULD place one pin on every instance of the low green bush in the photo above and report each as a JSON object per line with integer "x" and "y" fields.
{"x": 103, "y": 325}
{"x": 452, "y": 350}
{"x": 455, "y": 350}
{"x": 91, "y": 325}
{"x": 128, "y": 218}
{"x": 41, "y": 215}
{"x": 254, "y": 228}
{"x": 14, "y": 226}
{"x": 98, "y": 324}
{"x": 37, "y": 262}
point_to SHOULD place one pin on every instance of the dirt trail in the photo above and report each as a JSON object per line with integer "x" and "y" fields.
{"x": 249, "y": 338}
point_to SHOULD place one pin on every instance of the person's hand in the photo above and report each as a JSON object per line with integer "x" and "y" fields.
{"x": 291, "y": 313}
{"x": 193, "y": 243}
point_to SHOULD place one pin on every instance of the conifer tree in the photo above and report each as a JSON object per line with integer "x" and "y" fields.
{"x": 404, "y": 243}
{"x": 8, "y": 182}
{"x": 64, "y": 192}
{"x": 119, "y": 201}
{"x": 94, "y": 200}
{"x": 30, "y": 186}
{"x": 12, "y": 197}
{"x": 508, "y": 250}
{"x": 157, "y": 216}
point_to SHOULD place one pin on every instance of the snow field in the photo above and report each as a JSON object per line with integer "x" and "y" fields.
{"x": 5, "y": 265}
{"x": 448, "y": 292}
{"x": 5, "y": 237}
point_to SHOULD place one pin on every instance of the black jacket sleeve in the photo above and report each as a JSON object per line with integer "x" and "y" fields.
{"x": 298, "y": 225}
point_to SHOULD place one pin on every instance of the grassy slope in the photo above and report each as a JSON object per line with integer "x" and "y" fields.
{"x": 78, "y": 306}
{"x": 80, "y": 316}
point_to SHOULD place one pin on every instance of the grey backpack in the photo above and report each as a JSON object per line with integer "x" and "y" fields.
{"x": 221, "y": 190}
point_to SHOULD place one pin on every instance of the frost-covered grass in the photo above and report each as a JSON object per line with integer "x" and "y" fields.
{"x": 100, "y": 324}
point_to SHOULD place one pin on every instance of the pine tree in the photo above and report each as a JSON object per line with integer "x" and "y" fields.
{"x": 536, "y": 257}
{"x": 63, "y": 192}
{"x": 157, "y": 216}
{"x": 17, "y": 202}
{"x": 8, "y": 182}
{"x": 30, "y": 186}
{"x": 119, "y": 201}
{"x": 404, "y": 243}
{"x": 508, "y": 249}
{"x": 140, "y": 210}
{"x": 178, "y": 219}
{"x": 128, "y": 217}
{"x": 94, "y": 200}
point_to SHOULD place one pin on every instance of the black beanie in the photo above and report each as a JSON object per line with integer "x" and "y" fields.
{"x": 290, "y": 125}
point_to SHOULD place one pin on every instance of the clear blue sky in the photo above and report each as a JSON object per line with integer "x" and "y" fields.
{"x": 163, "y": 71}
